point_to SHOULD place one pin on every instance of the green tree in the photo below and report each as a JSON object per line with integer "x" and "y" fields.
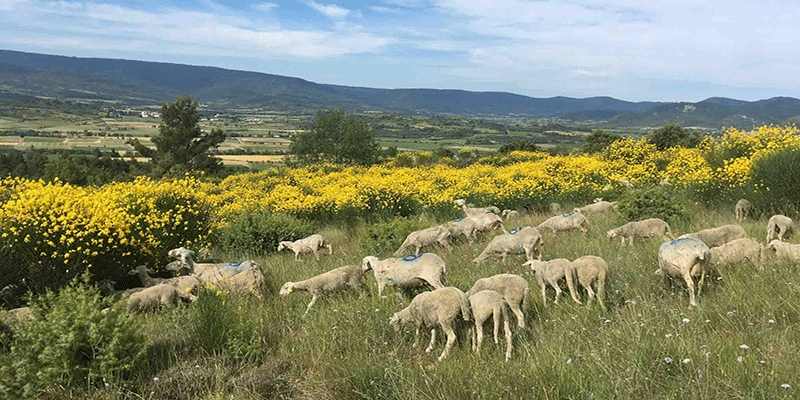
{"x": 181, "y": 144}
{"x": 598, "y": 140}
{"x": 519, "y": 145}
{"x": 338, "y": 137}
{"x": 673, "y": 136}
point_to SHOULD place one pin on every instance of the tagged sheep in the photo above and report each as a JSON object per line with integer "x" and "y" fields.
{"x": 714, "y": 237}
{"x": 598, "y": 207}
{"x": 347, "y": 277}
{"x": 186, "y": 285}
{"x": 736, "y": 252}
{"x": 551, "y": 272}
{"x": 427, "y": 237}
{"x": 485, "y": 304}
{"x": 785, "y": 251}
{"x": 645, "y": 229}
{"x": 566, "y": 222}
{"x": 743, "y": 209}
{"x": 310, "y": 244}
{"x": 526, "y": 241}
{"x": 487, "y": 222}
{"x": 152, "y": 298}
{"x": 685, "y": 258}
{"x": 408, "y": 272}
{"x": 466, "y": 227}
{"x": 442, "y": 307}
{"x": 246, "y": 276}
{"x": 590, "y": 269}
{"x": 779, "y": 227}
{"x": 514, "y": 288}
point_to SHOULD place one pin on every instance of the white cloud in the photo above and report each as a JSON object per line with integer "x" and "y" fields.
{"x": 384, "y": 10}
{"x": 265, "y": 7}
{"x": 332, "y": 10}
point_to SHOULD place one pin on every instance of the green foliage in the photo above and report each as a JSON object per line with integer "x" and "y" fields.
{"x": 339, "y": 137}
{"x": 519, "y": 145}
{"x": 254, "y": 233}
{"x": 71, "y": 342}
{"x": 387, "y": 236}
{"x": 216, "y": 325}
{"x": 598, "y": 140}
{"x": 650, "y": 202}
{"x": 181, "y": 145}
{"x": 775, "y": 179}
{"x": 673, "y": 136}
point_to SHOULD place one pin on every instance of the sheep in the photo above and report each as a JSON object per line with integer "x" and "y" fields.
{"x": 186, "y": 285}
{"x": 779, "y": 227}
{"x": 152, "y": 297}
{"x": 550, "y": 272}
{"x": 470, "y": 211}
{"x": 565, "y": 222}
{"x": 743, "y": 209}
{"x": 332, "y": 281}
{"x": 511, "y": 215}
{"x": 426, "y": 237}
{"x": 485, "y": 304}
{"x": 526, "y": 240}
{"x": 598, "y": 207}
{"x": 648, "y": 228}
{"x": 466, "y": 227}
{"x": 686, "y": 258}
{"x": 487, "y": 222}
{"x": 106, "y": 288}
{"x": 407, "y": 272}
{"x": 144, "y": 275}
{"x": 440, "y": 307}
{"x": 554, "y": 208}
{"x": 589, "y": 269}
{"x": 785, "y": 251}
{"x": 737, "y": 251}
{"x": 241, "y": 277}
{"x": 514, "y": 288}
{"x": 714, "y": 237}
{"x": 311, "y": 244}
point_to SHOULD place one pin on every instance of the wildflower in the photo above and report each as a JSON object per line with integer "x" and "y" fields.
{"x": 762, "y": 362}
{"x": 377, "y": 310}
{"x": 686, "y": 360}
{"x": 334, "y": 328}
{"x": 155, "y": 379}
{"x": 731, "y": 314}
{"x": 771, "y": 322}
{"x": 786, "y": 386}
{"x": 569, "y": 361}
{"x": 708, "y": 354}
{"x": 668, "y": 360}
{"x": 744, "y": 347}
{"x": 383, "y": 297}
{"x": 669, "y": 335}
{"x": 686, "y": 320}
{"x": 708, "y": 320}
{"x": 702, "y": 347}
{"x": 740, "y": 359}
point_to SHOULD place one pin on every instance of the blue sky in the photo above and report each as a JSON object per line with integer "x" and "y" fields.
{"x": 632, "y": 50}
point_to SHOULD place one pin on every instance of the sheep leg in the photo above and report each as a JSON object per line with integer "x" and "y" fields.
{"x": 520, "y": 317}
{"x": 509, "y": 346}
{"x": 451, "y": 340}
{"x": 308, "y": 307}
{"x": 433, "y": 339}
{"x": 503, "y": 257}
{"x": 496, "y": 315}
{"x": 417, "y": 249}
{"x": 296, "y": 255}
{"x": 416, "y": 337}
{"x": 588, "y": 287}
{"x": 558, "y": 290}
{"x": 571, "y": 285}
{"x": 316, "y": 253}
{"x": 473, "y": 335}
{"x": 690, "y": 284}
{"x": 544, "y": 292}
{"x": 479, "y": 334}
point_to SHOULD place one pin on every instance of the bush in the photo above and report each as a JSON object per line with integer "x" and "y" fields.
{"x": 650, "y": 202}
{"x": 775, "y": 178}
{"x": 254, "y": 233}
{"x": 387, "y": 236}
{"x": 215, "y": 324}
{"x": 71, "y": 342}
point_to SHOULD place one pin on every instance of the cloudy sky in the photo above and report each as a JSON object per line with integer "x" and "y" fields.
{"x": 632, "y": 50}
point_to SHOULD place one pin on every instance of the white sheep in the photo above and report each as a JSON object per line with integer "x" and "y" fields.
{"x": 566, "y": 222}
{"x": 466, "y": 227}
{"x": 442, "y": 307}
{"x": 645, "y": 229}
{"x": 470, "y": 211}
{"x": 106, "y": 288}
{"x": 736, "y": 252}
{"x": 347, "y": 277}
{"x": 242, "y": 277}
{"x": 590, "y": 269}
{"x": 526, "y": 241}
{"x": 152, "y": 298}
{"x": 186, "y": 285}
{"x": 714, "y": 237}
{"x": 487, "y": 222}
{"x": 551, "y": 272}
{"x": 485, "y": 304}
{"x": 407, "y": 272}
{"x": 439, "y": 234}
{"x": 554, "y": 208}
{"x": 685, "y": 258}
{"x": 144, "y": 275}
{"x": 743, "y": 209}
{"x": 310, "y": 244}
{"x": 784, "y": 251}
{"x": 514, "y": 288}
{"x": 511, "y": 215}
{"x": 598, "y": 207}
{"x": 779, "y": 227}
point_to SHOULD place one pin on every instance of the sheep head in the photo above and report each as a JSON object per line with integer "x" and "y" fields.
{"x": 460, "y": 202}
{"x": 282, "y": 245}
{"x": 368, "y": 263}
{"x": 287, "y": 289}
{"x": 611, "y": 234}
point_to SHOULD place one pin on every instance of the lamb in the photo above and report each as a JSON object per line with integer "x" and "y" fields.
{"x": 526, "y": 240}
{"x": 686, "y": 258}
{"x": 743, "y": 209}
{"x": 785, "y": 251}
{"x": 470, "y": 211}
{"x": 144, "y": 276}
{"x": 442, "y": 307}
{"x": 648, "y": 228}
{"x": 550, "y": 272}
{"x": 186, "y": 285}
{"x": 106, "y": 288}
{"x": 511, "y": 215}
{"x": 565, "y": 222}
{"x": 598, "y": 207}
{"x": 485, "y": 304}
{"x": 240, "y": 277}
{"x": 737, "y": 251}
{"x": 426, "y": 237}
{"x": 779, "y": 227}
{"x": 514, "y": 288}
{"x": 328, "y": 282}
{"x": 590, "y": 269}
{"x": 407, "y": 272}
{"x": 152, "y": 297}
{"x": 714, "y": 237}
{"x": 311, "y": 244}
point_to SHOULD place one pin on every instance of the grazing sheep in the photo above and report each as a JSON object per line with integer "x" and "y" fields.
{"x": 554, "y": 208}
{"x": 566, "y": 222}
{"x": 442, "y": 307}
{"x": 144, "y": 275}
{"x": 526, "y": 240}
{"x": 648, "y": 228}
{"x": 487, "y": 222}
{"x": 249, "y": 279}
{"x": 311, "y": 244}
{"x": 736, "y": 252}
{"x": 407, "y": 272}
{"x": 485, "y": 304}
{"x": 550, "y": 272}
{"x": 686, "y": 258}
{"x": 514, "y": 288}
{"x": 714, "y": 237}
{"x": 598, "y": 207}
{"x": 779, "y": 227}
{"x": 785, "y": 251}
{"x": 470, "y": 211}
{"x": 590, "y": 269}
{"x": 511, "y": 215}
{"x": 743, "y": 209}
{"x": 427, "y": 237}
{"x": 153, "y": 297}
{"x": 328, "y": 282}
{"x": 466, "y": 227}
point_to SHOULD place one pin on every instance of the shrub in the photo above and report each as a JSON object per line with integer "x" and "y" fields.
{"x": 775, "y": 178}
{"x": 650, "y": 202}
{"x": 71, "y": 342}
{"x": 254, "y": 233}
{"x": 387, "y": 236}
{"x": 216, "y": 325}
